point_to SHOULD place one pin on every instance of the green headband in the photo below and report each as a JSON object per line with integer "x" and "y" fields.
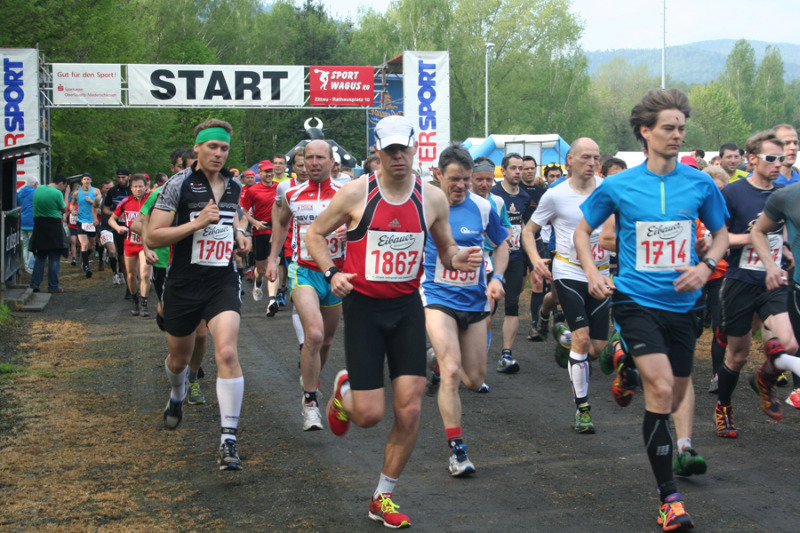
{"x": 213, "y": 134}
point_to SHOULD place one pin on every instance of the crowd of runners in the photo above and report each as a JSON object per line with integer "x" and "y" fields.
{"x": 631, "y": 264}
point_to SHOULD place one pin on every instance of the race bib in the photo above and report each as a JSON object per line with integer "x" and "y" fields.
{"x": 73, "y": 218}
{"x": 599, "y": 254}
{"x": 663, "y": 245}
{"x": 88, "y": 227}
{"x": 516, "y": 234}
{"x": 335, "y": 245}
{"x": 106, "y": 237}
{"x": 393, "y": 256}
{"x": 749, "y": 259}
{"x": 212, "y": 245}
{"x": 454, "y": 277}
{"x": 488, "y": 266}
{"x": 134, "y": 238}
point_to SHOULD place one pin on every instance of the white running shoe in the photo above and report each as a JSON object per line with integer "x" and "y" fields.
{"x": 312, "y": 419}
{"x": 258, "y": 293}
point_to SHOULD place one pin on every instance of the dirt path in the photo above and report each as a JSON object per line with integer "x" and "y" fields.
{"x": 83, "y": 448}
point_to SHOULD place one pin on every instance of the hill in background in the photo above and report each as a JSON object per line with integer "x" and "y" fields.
{"x": 698, "y": 62}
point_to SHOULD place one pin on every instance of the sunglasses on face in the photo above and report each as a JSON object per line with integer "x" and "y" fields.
{"x": 771, "y": 158}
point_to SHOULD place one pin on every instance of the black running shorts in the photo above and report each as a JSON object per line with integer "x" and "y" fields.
{"x": 261, "y": 247}
{"x": 581, "y": 310}
{"x": 186, "y": 302}
{"x": 375, "y": 328}
{"x": 464, "y": 319}
{"x": 740, "y": 300}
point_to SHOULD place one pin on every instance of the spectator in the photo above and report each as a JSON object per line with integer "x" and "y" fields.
{"x": 48, "y": 240}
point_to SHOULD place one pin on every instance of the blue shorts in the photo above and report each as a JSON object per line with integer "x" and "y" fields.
{"x": 305, "y": 277}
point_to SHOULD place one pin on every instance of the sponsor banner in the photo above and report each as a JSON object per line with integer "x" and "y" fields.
{"x": 87, "y": 84}
{"x": 215, "y": 85}
{"x": 341, "y": 86}
{"x": 29, "y": 167}
{"x": 19, "y": 87}
{"x": 426, "y": 88}
{"x": 12, "y": 244}
{"x": 391, "y": 104}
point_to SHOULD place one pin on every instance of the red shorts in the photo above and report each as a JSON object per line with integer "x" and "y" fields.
{"x": 132, "y": 249}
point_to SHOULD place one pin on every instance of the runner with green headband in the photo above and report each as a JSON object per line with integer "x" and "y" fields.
{"x": 196, "y": 213}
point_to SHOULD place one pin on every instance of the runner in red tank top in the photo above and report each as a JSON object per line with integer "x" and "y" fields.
{"x": 388, "y": 215}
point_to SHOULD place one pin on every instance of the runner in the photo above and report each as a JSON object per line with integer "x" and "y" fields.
{"x": 659, "y": 277}
{"x": 319, "y": 309}
{"x": 744, "y": 291}
{"x": 107, "y": 236}
{"x": 516, "y": 201}
{"x": 586, "y": 316}
{"x": 196, "y": 213}
{"x": 257, "y": 205}
{"x": 388, "y": 215}
{"x": 137, "y": 267}
{"x": 72, "y": 222}
{"x": 88, "y": 203}
{"x": 113, "y": 197}
{"x": 456, "y": 303}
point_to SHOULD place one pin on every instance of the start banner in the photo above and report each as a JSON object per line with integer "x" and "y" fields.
{"x": 215, "y": 85}
{"x": 341, "y": 86}
{"x": 87, "y": 84}
{"x": 426, "y": 88}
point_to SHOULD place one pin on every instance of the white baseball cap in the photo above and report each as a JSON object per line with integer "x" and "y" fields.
{"x": 337, "y": 158}
{"x": 394, "y": 129}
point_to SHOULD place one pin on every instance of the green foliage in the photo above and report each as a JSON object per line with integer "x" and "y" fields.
{"x": 5, "y": 314}
{"x": 739, "y": 77}
{"x": 718, "y": 116}
{"x": 770, "y": 91}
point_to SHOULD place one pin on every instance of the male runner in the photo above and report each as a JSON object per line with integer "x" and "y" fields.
{"x": 659, "y": 280}
{"x": 196, "y": 213}
{"x": 257, "y": 205}
{"x": 388, "y": 216}
{"x": 586, "y": 316}
{"x": 319, "y": 309}
{"x": 530, "y": 185}
{"x": 113, "y": 197}
{"x": 744, "y": 291}
{"x": 279, "y": 164}
{"x": 139, "y": 270}
{"x": 516, "y": 201}
{"x": 107, "y": 235}
{"x": 456, "y": 303}
{"x": 88, "y": 204}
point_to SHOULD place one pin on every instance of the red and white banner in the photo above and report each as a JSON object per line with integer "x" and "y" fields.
{"x": 341, "y": 86}
{"x": 426, "y": 91}
{"x": 87, "y": 84}
{"x": 215, "y": 85}
{"x": 19, "y": 86}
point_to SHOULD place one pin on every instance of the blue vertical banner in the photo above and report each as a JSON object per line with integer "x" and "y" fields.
{"x": 392, "y": 105}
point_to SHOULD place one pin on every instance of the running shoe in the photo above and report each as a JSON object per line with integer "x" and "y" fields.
{"x": 433, "y": 365}
{"x": 337, "y": 418}
{"x": 281, "y": 299}
{"x": 783, "y": 379}
{"x": 534, "y": 335}
{"x": 562, "y": 356}
{"x": 196, "y": 395}
{"x": 250, "y": 274}
{"x": 72, "y": 262}
{"x": 794, "y": 399}
{"x": 258, "y": 292}
{"x": 312, "y": 419}
{"x": 460, "y": 465}
{"x": 272, "y": 308}
{"x": 483, "y": 389}
{"x": 624, "y": 384}
{"x": 713, "y": 385}
{"x": 543, "y": 325}
{"x": 583, "y": 420}
{"x": 228, "y": 456}
{"x": 673, "y": 516}
{"x": 689, "y": 462}
{"x": 769, "y": 400}
{"x": 135, "y": 305}
{"x": 723, "y": 419}
{"x": 88, "y": 272}
{"x": 173, "y": 414}
{"x": 385, "y": 510}
{"x": 143, "y": 304}
{"x": 507, "y": 365}
{"x": 609, "y": 354}
{"x": 562, "y": 334}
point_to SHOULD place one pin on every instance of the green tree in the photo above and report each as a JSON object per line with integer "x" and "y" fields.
{"x": 718, "y": 115}
{"x": 738, "y": 78}
{"x": 770, "y": 90}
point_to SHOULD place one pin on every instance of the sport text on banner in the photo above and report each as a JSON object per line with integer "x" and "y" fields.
{"x": 341, "y": 86}
{"x": 87, "y": 83}
{"x": 426, "y": 87}
{"x": 215, "y": 85}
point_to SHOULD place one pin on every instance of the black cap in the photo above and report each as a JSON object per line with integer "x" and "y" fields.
{"x": 122, "y": 171}
{"x": 86, "y": 175}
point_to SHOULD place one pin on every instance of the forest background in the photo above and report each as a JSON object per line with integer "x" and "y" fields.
{"x": 540, "y": 79}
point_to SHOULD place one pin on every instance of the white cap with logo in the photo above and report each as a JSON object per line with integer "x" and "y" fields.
{"x": 394, "y": 129}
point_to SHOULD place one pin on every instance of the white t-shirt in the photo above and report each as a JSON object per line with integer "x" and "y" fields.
{"x": 560, "y": 207}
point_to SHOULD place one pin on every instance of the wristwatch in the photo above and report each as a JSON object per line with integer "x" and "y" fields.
{"x": 330, "y": 272}
{"x": 710, "y": 263}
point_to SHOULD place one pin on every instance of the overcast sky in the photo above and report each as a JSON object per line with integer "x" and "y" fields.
{"x": 639, "y": 23}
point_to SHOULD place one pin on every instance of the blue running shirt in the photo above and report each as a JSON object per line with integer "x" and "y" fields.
{"x": 655, "y": 222}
